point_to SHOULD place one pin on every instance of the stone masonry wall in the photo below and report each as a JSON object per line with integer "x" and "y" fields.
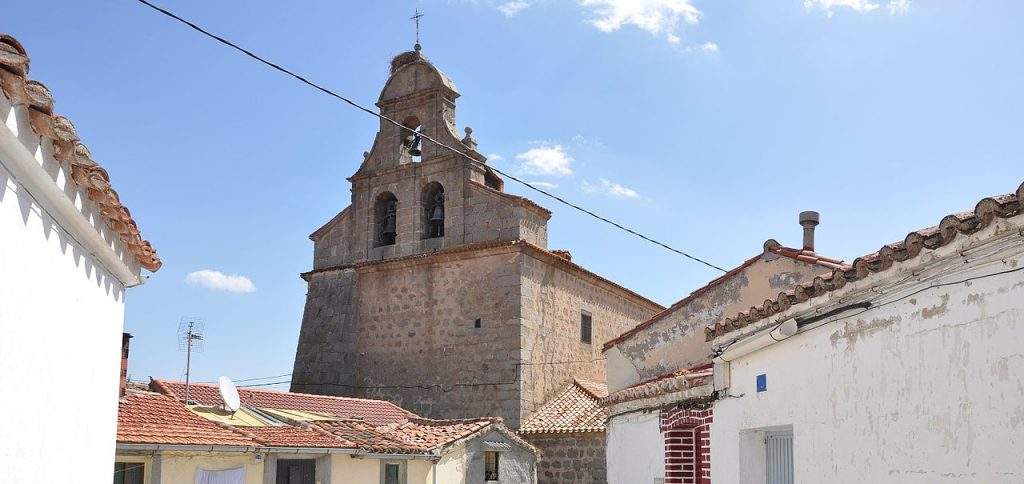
{"x": 553, "y": 298}
{"x": 405, "y": 332}
{"x": 570, "y": 458}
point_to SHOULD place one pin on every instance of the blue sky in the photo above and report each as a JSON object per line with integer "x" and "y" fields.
{"x": 706, "y": 124}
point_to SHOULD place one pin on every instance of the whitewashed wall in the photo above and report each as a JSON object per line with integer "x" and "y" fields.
{"x": 926, "y": 390}
{"x": 61, "y": 318}
{"x": 636, "y": 449}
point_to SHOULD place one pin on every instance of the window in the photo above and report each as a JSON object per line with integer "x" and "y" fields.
{"x": 779, "y": 457}
{"x": 129, "y": 472}
{"x": 490, "y": 466}
{"x": 477, "y": 323}
{"x": 392, "y": 472}
{"x": 585, "y": 327}
{"x": 386, "y": 216}
{"x": 433, "y": 211}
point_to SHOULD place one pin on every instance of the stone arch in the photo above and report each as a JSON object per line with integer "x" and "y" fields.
{"x": 433, "y": 201}
{"x": 411, "y": 139}
{"x": 385, "y": 219}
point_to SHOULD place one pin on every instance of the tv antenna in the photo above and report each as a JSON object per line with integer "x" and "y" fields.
{"x": 190, "y": 338}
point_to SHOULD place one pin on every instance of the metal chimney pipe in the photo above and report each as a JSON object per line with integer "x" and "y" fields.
{"x": 809, "y": 220}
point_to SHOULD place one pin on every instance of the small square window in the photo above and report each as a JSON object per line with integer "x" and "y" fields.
{"x": 491, "y": 466}
{"x": 585, "y": 327}
{"x": 476, "y": 324}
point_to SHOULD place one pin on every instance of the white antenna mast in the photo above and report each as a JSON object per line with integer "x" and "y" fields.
{"x": 190, "y": 336}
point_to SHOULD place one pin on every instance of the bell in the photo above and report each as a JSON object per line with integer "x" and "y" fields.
{"x": 438, "y": 214}
{"x": 414, "y": 145}
{"x": 389, "y": 226}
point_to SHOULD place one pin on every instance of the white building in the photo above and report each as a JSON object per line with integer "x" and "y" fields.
{"x": 905, "y": 368}
{"x": 659, "y": 372}
{"x": 68, "y": 250}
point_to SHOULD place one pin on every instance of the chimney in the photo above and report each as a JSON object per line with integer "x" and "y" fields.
{"x": 809, "y": 220}
{"x": 125, "y": 339}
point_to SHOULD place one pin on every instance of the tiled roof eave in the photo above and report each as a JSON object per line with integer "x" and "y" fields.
{"x": 985, "y": 213}
{"x": 69, "y": 151}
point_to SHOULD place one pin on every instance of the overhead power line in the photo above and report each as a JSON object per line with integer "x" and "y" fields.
{"x": 360, "y": 107}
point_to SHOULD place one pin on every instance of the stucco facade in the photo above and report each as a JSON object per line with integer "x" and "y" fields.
{"x": 472, "y": 317}
{"x": 921, "y": 386}
{"x": 65, "y": 263}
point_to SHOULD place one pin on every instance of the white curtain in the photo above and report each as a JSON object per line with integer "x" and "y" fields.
{"x": 227, "y": 476}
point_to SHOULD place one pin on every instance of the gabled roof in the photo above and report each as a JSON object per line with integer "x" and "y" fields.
{"x": 67, "y": 148}
{"x": 574, "y": 409}
{"x": 661, "y": 385}
{"x": 375, "y": 412}
{"x": 770, "y": 246}
{"x": 949, "y": 228}
{"x": 152, "y": 418}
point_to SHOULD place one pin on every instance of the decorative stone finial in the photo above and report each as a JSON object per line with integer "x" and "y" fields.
{"x": 468, "y": 140}
{"x": 366, "y": 154}
{"x": 417, "y": 47}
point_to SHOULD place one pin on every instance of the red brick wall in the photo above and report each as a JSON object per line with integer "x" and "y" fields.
{"x": 687, "y": 445}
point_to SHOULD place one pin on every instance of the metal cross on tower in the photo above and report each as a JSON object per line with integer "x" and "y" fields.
{"x": 416, "y": 18}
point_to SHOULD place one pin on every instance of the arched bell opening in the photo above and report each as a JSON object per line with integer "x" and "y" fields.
{"x": 433, "y": 210}
{"x": 412, "y": 138}
{"x": 386, "y": 219}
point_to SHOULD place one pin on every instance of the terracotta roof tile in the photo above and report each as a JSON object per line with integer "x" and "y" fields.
{"x": 661, "y": 385}
{"x": 931, "y": 238}
{"x": 67, "y": 148}
{"x": 293, "y": 436}
{"x": 152, "y": 418}
{"x": 375, "y": 412}
{"x": 362, "y": 435}
{"x": 430, "y": 434}
{"x": 576, "y": 409}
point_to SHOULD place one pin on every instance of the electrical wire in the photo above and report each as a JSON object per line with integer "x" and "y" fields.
{"x": 463, "y": 154}
{"x": 444, "y": 388}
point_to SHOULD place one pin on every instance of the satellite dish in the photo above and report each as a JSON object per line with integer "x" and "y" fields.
{"x": 229, "y": 394}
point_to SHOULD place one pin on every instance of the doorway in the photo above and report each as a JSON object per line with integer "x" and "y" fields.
{"x": 296, "y": 471}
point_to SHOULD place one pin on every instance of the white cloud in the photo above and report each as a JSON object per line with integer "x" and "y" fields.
{"x": 219, "y": 281}
{"x": 895, "y": 7}
{"x": 543, "y": 184}
{"x": 658, "y": 17}
{"x": 899, "y": 7}
{"x": 551, "y": 160}
{"x": 495, "y": 157}
{"x": 510, "y": 9}
{"x": 606, "y": 187}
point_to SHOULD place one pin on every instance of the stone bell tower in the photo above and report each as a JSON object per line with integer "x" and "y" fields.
{"x": 435, "y": 289}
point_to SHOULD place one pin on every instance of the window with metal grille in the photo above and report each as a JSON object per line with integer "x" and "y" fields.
{"x": 585, "y": 327}
{"x": 779, "y": 457}
{"x": 490, "y": 466}
{"x": 129, "y": 472}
